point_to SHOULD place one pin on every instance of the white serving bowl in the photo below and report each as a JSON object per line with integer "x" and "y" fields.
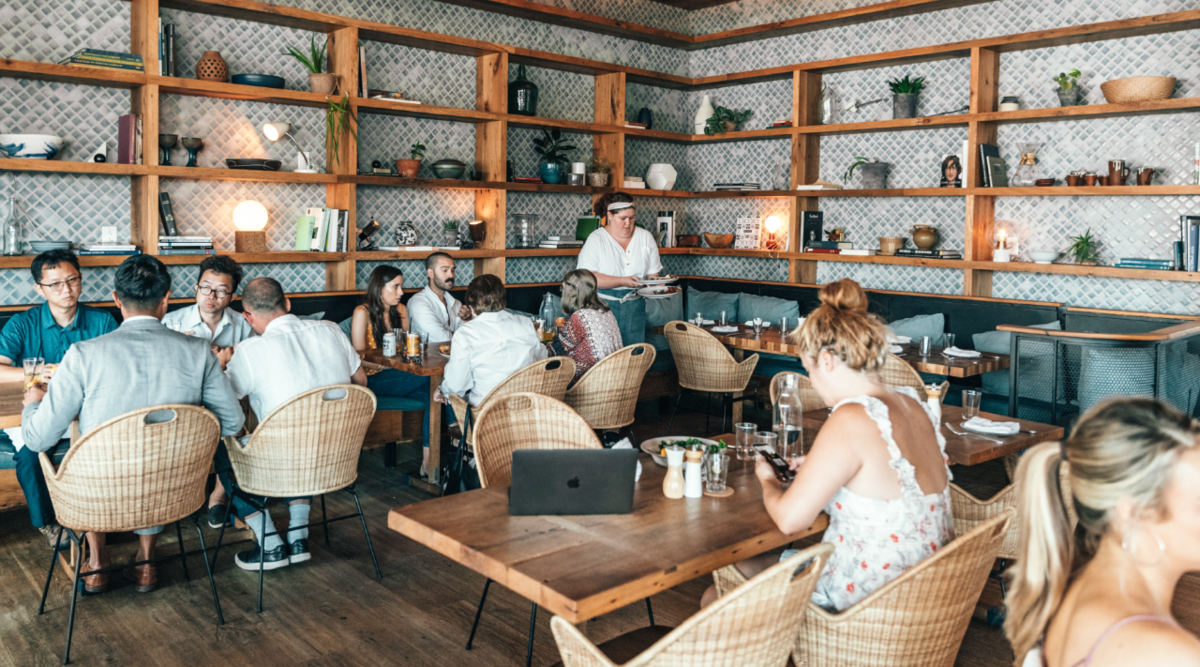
{"x": 1043, "y": 256}
{"x": 31, "y": 146}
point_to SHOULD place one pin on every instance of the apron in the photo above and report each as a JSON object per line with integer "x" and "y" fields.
{"x": 630, "y": 314}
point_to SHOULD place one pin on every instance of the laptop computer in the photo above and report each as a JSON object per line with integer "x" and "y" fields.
{"x": 572, "y": 481}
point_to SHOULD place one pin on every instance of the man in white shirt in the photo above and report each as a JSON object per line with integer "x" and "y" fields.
{"x": 434, "y": 310}
{"x": 288, "y": 357}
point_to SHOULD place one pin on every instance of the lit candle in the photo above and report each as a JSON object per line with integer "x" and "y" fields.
{"x": 1003, "y": 243}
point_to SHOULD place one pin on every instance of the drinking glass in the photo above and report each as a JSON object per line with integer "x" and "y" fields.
{"x": 32, "y": 366}
{"x": 716, "y": 467}
{"x": 699, "y": 319}
{"x": 723, "y": 322}
{"x": 926, "y": 345}
{"x": 745, "y": 440}
{"x": 789, "y": 439}
{"x": 947, "y": 341}
{"x": 424, "y": 340}
{"x": 758, "y": 326}
{"x": 766, "y": 438}
{"x": 970, "y": 400}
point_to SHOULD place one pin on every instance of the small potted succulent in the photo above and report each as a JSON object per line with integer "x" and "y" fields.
{"x": 411, "y": 167}
{"x": 598, "y": 176}
{"x": 905, "y": 93}
{"x": 1069, "y": 92}
{"x": 874, "y": 173}
{"x": 725, "y": 120}
{"x": 1082, "y": 249}
{"x": 450, "y": 233}
{"x": 553, "y": 151}
{"x": 321, "y": 82}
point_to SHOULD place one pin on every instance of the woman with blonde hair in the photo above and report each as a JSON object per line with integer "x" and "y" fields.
{"x": 877, "y": 466}
{"x": 1100, "y": 596}
{"x": 590, "y": 332}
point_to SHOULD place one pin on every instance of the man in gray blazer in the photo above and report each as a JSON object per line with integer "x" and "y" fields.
{"x": 140, "y": 364}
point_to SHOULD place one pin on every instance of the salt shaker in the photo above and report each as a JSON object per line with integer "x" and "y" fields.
{"x": 693, "y": 474}
{"x": 673, "y": 483}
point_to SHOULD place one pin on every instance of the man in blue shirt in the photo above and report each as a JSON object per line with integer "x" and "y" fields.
{"x": 46, "y": 331}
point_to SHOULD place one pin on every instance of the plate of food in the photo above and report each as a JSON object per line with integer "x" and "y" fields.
{"x": 664, "y": 280}
{"x": 444, "y": 349}
{"x": 656, "y": 447}
{"x": 658, "y": 291}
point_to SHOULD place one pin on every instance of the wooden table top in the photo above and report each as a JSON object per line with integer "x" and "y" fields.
{"x": 580, "y": 567}
{"x": 11, "y": 395}
{"x": 431, "y": 363}
{"x": 972, "y": 449}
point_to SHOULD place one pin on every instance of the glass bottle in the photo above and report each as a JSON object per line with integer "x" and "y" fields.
{"x": 787, "y": 417}
{"x": 547, "y": 315}
{"x": 1027, "y": 169}
{"x": 12, "y": 229}
{"x": 522, "y": 95}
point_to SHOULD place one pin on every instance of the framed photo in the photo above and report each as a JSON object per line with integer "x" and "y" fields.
{"x": 952, "y": 170}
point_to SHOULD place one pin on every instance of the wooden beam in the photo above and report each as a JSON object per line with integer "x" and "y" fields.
{"x": 144, "y": 101}
{"x": 491, "y": 158}
{"x": 981, "y": 209}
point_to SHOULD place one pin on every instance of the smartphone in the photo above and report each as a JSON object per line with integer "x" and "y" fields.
{"x": 782, "y": 472}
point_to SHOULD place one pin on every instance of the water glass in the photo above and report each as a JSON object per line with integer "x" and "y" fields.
{"x": 745, "y": 440}
{"x": 926, "y": 345}
{"x": 715, "y": 468}
{"x": 32, "y": 367}
{"x": 790, "y": 441}
{"x": 970, "y": 400}
{"x": 424, "y": 340}
{"x": 723, "y": 321}
{"x": 766, "y": 438}
{"x": 758, "y": 326}
{"x": 947, "y": 341}
{"x": 699, "y": 319}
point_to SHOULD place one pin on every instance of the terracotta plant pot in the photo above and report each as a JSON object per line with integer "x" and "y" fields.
{"x": 408, "y": 168}
{"x": 597, "y": 180}
{"x": 324, "y": 83}
{"x": 688, "y": 240}
{"x": 729, "y": 126}
{"x": 212, "y": 67}
{"x": 718, "y": 240}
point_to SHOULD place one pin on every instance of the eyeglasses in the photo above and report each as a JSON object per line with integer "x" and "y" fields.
{"x": 62, "y": 284}
{"x": 206, "y": 290}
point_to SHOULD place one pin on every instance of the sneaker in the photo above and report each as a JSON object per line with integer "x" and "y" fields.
{"x": 299, "y": 551}
{"x": 51, "y": 533}
{"x": 271, "y": 560}
{"x": 216, "y": 514}
{"x": 610, "y": 438}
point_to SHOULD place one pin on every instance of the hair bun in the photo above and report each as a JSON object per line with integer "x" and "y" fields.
{"x": 845, "y": 295}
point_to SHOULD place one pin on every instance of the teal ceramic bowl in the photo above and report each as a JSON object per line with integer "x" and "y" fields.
{"x": 448, "y": 169}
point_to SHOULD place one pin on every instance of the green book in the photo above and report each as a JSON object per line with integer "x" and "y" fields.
{"x": 304, "y": 234}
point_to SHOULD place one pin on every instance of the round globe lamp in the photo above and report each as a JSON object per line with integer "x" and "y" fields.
{"x": 249, "y": 221}
{"x": 772, "y": 225}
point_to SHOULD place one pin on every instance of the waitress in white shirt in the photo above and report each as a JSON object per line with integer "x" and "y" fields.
{"x": 621, "y": 254}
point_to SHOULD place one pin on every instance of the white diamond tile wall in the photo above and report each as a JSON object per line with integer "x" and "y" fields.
{"x": 525, "y": 160}
{"x": 915, "y": 156}
{"x": 297, "y": 277}
{"x": 205, "y": 208}
{"x": 430, "y": 77}
{"x": 719, "y": 216}
{"x": 233, "y": 129}
{"x": 390, "y": 138}
{"x": 742, "y": 268}
{"x": 947, "y": 88}
{"x": 414, "y": 272}
{"x": 16, "y": 286}
{"x": 562, "y": 95}
{"x": 67, "y": 206}
{"x": 894, "y": 277}
{"x": 1152, "y": 296}
{"x": 653, "y": 14}
{"x": 41, "y": 31}
{"x": 762, "y": 162}
{"x": 427, "y": 210}
{"x": 557, "y": 213}
{"x": 84, "y": 116}
{"x": 523, "y": 270}
{"x": 671, "y": 108}
{"x": 678, "y": 265}
{"x": 867, "y": 218}
{"x": 639, "y": 155}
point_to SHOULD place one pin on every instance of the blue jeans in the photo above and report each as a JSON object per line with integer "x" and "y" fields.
{"x": 398, "y": 384}
{"x": 631, "y": 317}
{"x": 31, "y": 479}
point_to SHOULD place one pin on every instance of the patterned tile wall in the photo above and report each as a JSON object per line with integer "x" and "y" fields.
{"x": 719, "y": 216}
{"x": 743, "y": 268}
{"x": 294, "y": 276}
{"x": 522, "y": 270}
{"x": 67, "y": 206}
{"x": 762, "y": 162}
{"x": 247, "y": 47}
{"x": 16, "y": 285}
{"x": 1152, "y": 296}
{"x": 868, "y": 218}
{"x": 414, "y": 272}
{"x": 639, "y": 155}
{"x": 562, "y": 95}
{"x": 37, "y": 31}
{"x": 672, "y": 108}
{"x": 205, "y": 208}
{"x": 440, "y": 79}
{"x": 653, "y": 14}
{"x": 557, "y": 213}
{"x": 233, "y": 129}
{"x": 525, "y": 160}
{"x": 390, "y": 138}
{"x": 915, "y": 155}
{"x": 899, "y": 278}
{"x": 947, "y": 88}
{"x": 84, "y": 116}
{"x": 679, "y": 265}
{"x": 426, "y": 209}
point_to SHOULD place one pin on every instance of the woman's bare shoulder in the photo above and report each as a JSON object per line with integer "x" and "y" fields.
{"x": 1149, "y": 642}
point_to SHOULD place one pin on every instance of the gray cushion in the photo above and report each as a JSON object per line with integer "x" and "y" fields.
{"x": 768, "y": 308}
{"x": 345, "y": 324}
{"x": 313, "y": 316}
{"x": 921, "y": 325}
{"x": 658, "y": 313}
{"x": 711, "y": 304}
{"x": 1036, "y": 365}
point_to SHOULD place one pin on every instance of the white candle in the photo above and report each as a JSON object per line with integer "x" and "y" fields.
{"x": 1000, "y": 255}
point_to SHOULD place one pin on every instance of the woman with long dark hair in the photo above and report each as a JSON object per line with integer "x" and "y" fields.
{"x": 381, "y": 312}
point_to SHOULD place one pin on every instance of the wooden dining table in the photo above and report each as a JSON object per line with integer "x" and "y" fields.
{"x": 580, "y": 567}
{"x": 431, "y": 364}
{"x": 11, "y": 396}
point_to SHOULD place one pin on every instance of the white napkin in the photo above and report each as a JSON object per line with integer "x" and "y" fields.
{"x": 959, "y": 352}
{"x": 729, "y": 329}
{"x": 988, "y": 426}
{"x": 895, "y": 349}
{"x": 765, "y": 325}
{"x": 899, "y": 340}
{"x": 626, "y": 444}
{"x": 14, "y": 434}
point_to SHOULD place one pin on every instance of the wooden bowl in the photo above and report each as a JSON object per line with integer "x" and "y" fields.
{"x": 688, "y": 241}
{"x": 718, "y": 240}
{"x": 1138, "y": 89}
{"x": 1045, "y": 182}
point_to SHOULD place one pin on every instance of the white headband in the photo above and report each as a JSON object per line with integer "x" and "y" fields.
{"x": 618, "y": 205}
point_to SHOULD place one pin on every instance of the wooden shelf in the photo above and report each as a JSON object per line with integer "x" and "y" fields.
{"x": 1103, "y": 271}
{"x": 65, "y": 167}
{"x": 270, "y": 257}
{"x": 1064, "y": 191}
{"x": 382, "y": 107}
{"x": 890, "y": 192}
{"x": 931, "y": 122}
{"x": 24, "y": 261}
{"x": 569, "y": 126}
{"x": 884, "y": 259}
{"x": 24, "y": 69}
{"x": 1174, "y": 105}
{"x": 195, "y": 88}
{"x": 212, "y": 174}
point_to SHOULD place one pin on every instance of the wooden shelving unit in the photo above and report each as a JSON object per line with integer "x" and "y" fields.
{"x": 608, "y": 131}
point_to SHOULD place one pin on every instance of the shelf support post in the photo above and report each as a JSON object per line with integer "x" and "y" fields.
{"x": 806, "y": 164}
{"x": 981, "y": 209}
{"x": 343, "y": 61}
{"x": 143, "y": 210}
{"x": 491, "y": 158}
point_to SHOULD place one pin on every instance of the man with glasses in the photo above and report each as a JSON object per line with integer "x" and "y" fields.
{"x": 46, "y": 331}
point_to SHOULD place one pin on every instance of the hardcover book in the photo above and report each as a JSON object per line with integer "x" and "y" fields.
{"x": 812, "y": 227}
{"x": 166, "y": 216}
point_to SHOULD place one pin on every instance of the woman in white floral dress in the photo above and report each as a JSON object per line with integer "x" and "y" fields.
{"x": 877, "y": 466}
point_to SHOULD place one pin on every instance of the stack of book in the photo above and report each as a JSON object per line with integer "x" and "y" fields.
{"x": 993, "y": 167}
{"x": 108, "y": 249}
{"x": 97, "y": 59}
{"x": 735, "y": 186}
{"x": 1187, "y": 248}
{"x": 635, "y": 125}
{"x": 829, "y": 247}
{"x": 635, "y": 182}
{"x": 324, "y": 230}
{"x": 782, "y": 122}
{"x": 1140, "y": 263}
{"x": 166, "y": 49}
{"x": 935, "y": 254}
{"x": 560, "y": 242}
{"x": 526, "y": 179}
{"x": 186, "y": 245}
{"x": 129, "y": 139}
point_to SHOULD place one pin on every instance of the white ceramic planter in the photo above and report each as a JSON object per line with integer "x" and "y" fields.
{"x": 703, "y": 114}
{"x": 661, "y": 176}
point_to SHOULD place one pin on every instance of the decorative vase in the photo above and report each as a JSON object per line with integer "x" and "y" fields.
{"x": 874, "y": 175}
{"x": 408, "y": 168}
{"x": 324, "y": 83}
{"x": 646, "y": 116}
{"x": 551, "y": 172}
{"x": 597, "y": 180}
{"x": 1069, "y": 98}
{"x": 904, "y": 105}
{"x": 406, "y": 234}
{"x": 661, "y": 176}
{"x": 522, "y": 95}
{"x": 703, "y": 114}
{"x": 450, "y": 237}
{"x": 924, "y": 237}
{"x": 212, "y": 67}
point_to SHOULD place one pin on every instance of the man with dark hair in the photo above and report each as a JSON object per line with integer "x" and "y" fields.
{"x": 288, "y": 357}
{"x": 139, "y": 365}
{"x": 46, "y": 331}
{"x": 434, "y": 310}
{"x": 211, "y": 318}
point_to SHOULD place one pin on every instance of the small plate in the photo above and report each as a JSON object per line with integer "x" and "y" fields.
{"x": 658, "y": 292}
{"x": 253, "y": 164}
{"x": 652, "y": 446}
{"x": 658, "y": 281}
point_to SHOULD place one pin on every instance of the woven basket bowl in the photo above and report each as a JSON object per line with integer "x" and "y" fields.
{"x": 718, "y": 240}
{"x": 1138, "y": 89}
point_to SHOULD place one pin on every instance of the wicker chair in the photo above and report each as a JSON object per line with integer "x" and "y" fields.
{"x": 706, "y": 366}
{"x": 897, "y": 373}
{"x": 548, "y": 377}
{"x": 915, "y": 620}
{"x": 137, "y": 470}
{"x": 606, "y": 396}
{"x": 308, "y": 446}
{"x": 524, "y": 420}
{"x": 809, "y": 398}
{"x": 753, "y": 626}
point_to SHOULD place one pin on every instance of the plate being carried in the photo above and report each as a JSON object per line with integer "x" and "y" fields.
{"x": 657, "y": 281}
{"x": 654, "y": 445}
{"x": 658, "y": 292}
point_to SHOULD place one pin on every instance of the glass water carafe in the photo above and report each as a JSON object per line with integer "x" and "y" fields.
{"x": 787, "y": 417}
{"x": 1027, "y": 169}
{"x": 12, "y": 230}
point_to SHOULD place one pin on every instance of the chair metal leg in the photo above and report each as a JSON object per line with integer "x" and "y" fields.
{"x": 211, "y": 584}
{"x": 478, "y": 613}
{"x": 650, "y": 611}
{"x": 370, "y": 547}
{"x": 707, "y": 410}
{"x": 532, "y": 627}
{"x": 50, "y": 574}
{"x": 212, "y": 565}
{"x": 182, "y": 553}
{"x": 74, "y": 595}
{"x": 262, "y": 547}
{"x": 325, "y": 518}
{"x": 672, "y": 420}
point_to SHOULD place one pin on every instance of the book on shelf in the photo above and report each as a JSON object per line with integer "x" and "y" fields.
{"x": 112, "y": 55}
{"x": 166, "y": 216}
{"x": 108, "y": 253}
{"x": 561, "y": 244}
{"x": 162, "y": 56}
{"x": 636, "y": 126}
{"x": 839, "y": 245}
{"x": 103, "y": 59}
{"x": 184, "y": 239}
{"x": 936, "y": 254}
{"x": 187, "y": 251}
{"x": 635, "y": 185}
{"x": 1140, "y": 263}
{"x": 362, "y": 72}
{"x": 859, "y": 252}
{"x": 1189, "y": 242}
{"x": 997, "y": 172}
{"x": 526, "y": 179}
{"x": 95, "y": 65}
{"x": 94, "y": 249}
{"x": 395, "y": 99}
{"x": 304, "y": 232}
{"x": 820, "y": 184}
{"x": 986, "y": 151}
{"x": 824, "y": 251}
{"x": 196, "y": 244}
{"x": 812, "y": 225}
{"x": 419, "y": 248}
{"x": 126, "y": 138}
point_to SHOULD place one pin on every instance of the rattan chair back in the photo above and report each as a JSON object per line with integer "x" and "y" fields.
{"x": 897, "y": 373}
{"x": 606, "y": 396}
{"x": 144, "y": 468}
{"x": 703, "y": 362}
{"x": 915, "y": 620}
{"x": 970, "y": 511}
{"x": 548, "y": 377}
{"x": 754, "y": 625}
{"x": 525, "y": 420}
{"x": 809, "y": 398}
{"x": 307, "y": 446}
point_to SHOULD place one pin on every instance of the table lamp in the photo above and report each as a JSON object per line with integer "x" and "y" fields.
{"x": 478, "y": 229}
{"x": 250, "y": 218}
{"x": 278, "y": 130}
{"x": 772, "y": 224}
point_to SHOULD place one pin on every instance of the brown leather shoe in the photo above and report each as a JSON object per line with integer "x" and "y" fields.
{"x": 93, "y": 584}
{"x": 145, "y": 577}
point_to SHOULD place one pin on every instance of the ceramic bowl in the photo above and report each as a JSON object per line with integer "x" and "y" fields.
{"x": 688, "y": 240}
{"x": 718, "y": 240}
{"x": 1045, "y": 182}
{"x": 31, "y": 146}
{"x": 262, "y": 80}
{"x": 448, "y": 169}
{"x": 1043, "y": 256}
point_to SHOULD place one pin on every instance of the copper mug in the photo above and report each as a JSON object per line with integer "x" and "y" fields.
{"x": 1073, "y": 180}
{"x": 1117, "y": 172}
{"x": 1089, "y": 179}
{"x": 1145, "y": 175}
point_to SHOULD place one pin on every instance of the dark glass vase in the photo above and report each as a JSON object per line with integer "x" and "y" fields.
{"x": 522, "y": 95}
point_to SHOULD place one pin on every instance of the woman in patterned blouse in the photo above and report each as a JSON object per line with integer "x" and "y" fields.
{"x": 590, "y": 332}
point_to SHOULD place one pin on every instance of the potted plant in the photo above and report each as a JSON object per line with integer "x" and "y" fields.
{"x": 598, "y": 176}
{"x": 905, "y": 93}
{"x": 725, "y": 120}
{"x": 1069, "y": 92}
{"x": 874, "y": 173}
{"x": 450, "y": 233}
{"x": 319, "y": 80}
{"x": 1082, "y": 249}
{"x": 411, "y": 167}
{"x": 553, "y": 151}
{"x": 339, "y": 117}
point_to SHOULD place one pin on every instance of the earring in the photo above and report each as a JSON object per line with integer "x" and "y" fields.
{"x": 1130, "y": 548}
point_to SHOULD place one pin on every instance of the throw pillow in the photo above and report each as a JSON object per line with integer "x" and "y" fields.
{"x": 710, "y": 305}
{"x": 921, "y": 325}
{"x": 769, "y": 308}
